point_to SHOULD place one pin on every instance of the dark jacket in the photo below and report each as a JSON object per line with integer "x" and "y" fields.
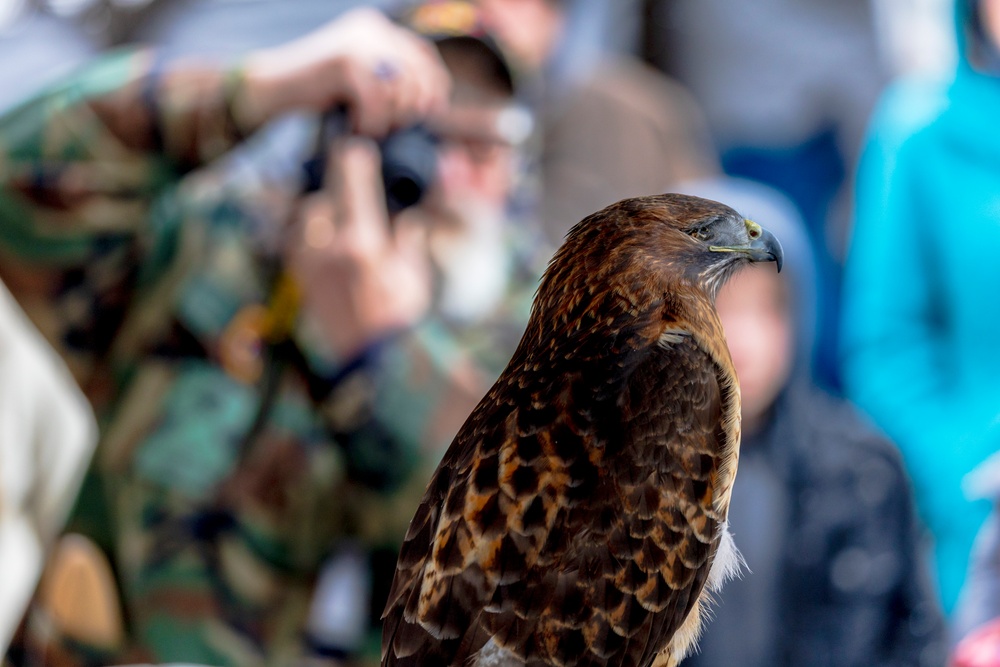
{"x": 823, "y": 514}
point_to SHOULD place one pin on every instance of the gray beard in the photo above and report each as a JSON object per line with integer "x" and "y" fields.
{"x": 474, "y": 265}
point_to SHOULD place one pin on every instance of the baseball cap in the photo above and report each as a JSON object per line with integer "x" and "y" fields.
{"x": 456, "y": 27}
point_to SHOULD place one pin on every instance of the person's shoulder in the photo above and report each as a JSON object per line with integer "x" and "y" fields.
{"x": 839, "y": 434}
{"x": 840, "y": 457}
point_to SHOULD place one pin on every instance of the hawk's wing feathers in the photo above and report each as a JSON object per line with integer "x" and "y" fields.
{"x": 570, "y": 537}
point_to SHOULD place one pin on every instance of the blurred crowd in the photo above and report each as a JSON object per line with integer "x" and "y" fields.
{"x": 260, "y": 259}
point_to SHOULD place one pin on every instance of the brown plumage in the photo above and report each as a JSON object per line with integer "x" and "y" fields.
{"x": 577, "y": 515}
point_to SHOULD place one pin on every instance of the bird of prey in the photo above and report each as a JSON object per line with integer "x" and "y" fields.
{"x": 579, "y": 517}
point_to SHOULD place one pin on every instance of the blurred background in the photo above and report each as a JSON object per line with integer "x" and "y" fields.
{"x": 784, "y": 89}
{"x": 798, "y": 110}
{"x": 50, "y": 37}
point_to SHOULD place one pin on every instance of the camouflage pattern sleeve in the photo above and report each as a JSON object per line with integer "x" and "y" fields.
{"x": 89, "y": 156}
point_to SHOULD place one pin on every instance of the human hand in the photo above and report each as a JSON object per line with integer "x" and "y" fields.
{"x": 361, "y": 278}
{"x": 387, "y": 76}
{"x": 980, "y": 648}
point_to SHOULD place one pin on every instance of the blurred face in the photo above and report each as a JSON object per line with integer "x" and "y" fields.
{"x": 475, "y": 160}
{"x": 991, "y": 20}
{"x": 475, "y": 164}
{"x": 465, "y": 210}
{"x": 753, "y": 307}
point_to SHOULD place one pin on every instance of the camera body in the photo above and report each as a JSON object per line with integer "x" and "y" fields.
{"x": 409, "y": 161}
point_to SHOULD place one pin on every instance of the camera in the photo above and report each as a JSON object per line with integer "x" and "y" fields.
{"x": 409, "y": 166}
{"x": 409, "y": 161}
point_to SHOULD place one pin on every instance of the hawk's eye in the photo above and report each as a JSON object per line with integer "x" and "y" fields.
{"x": 702, "y": 234}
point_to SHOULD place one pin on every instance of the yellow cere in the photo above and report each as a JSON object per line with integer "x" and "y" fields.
{"x": 753, "y": 229}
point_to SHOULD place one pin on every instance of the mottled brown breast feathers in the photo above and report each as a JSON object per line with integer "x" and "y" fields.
{"x": 575, "y": 517}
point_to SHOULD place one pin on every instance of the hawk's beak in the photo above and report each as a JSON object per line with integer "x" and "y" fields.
{"x": 763, "y": 246}
{"x": 766, "y": 248}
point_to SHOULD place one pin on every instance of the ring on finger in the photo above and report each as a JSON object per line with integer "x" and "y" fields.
{"x": 386, "y": 71}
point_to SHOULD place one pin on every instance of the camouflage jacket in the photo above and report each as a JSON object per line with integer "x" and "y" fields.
{"x": 152, "y": 284}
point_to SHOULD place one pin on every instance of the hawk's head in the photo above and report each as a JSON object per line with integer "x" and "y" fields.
{"x": 681, "y": 240}
{"x": 723, "y": 239}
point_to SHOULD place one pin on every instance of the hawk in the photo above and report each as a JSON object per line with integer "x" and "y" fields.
{"x": 579, "y": 517}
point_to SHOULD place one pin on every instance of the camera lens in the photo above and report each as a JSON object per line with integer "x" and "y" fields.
{"x": 409, "y": 161}
{"x": 409, "y": 166}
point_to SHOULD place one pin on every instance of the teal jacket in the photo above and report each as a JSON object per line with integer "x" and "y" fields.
{"x": 921, "y": 317}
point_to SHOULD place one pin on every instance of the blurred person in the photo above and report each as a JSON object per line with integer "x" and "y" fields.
{"x": 268, "y": 413}
{"x": 47, "y": 435}
{"x": 612, "y": 129}
{"x": 919, "y": 332}
{"x": 787, "y": 87}
{"x": 821, "y": 511}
